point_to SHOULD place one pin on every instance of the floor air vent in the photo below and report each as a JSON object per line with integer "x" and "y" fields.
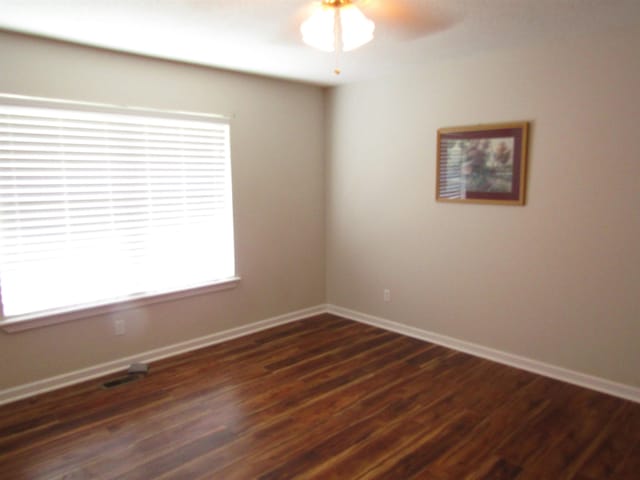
{"x": 121, "y": 381}
{"x": 136, "y": 372}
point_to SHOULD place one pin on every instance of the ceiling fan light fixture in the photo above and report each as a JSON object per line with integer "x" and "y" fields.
{"x": 337, "y": 24}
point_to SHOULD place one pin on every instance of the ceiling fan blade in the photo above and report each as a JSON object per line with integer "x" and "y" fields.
{"x": 406, "y": 18}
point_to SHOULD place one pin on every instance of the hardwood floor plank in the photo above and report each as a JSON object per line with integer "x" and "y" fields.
{"x": 253, "y": 399}
{"x": 279, "y": 434}
{"x": 246, "y": 421}
{"x": 406, "y": 416}
{"x": 404, "y": 427}
{"x": 323, "y": 398}
{"x": 585, "y": 420}
{"x": 616, "y": 445}
{"x": 89, "y": 419}
{"x": 417, "y": 457}
{"x": 156, "y": 466}
{"x": 628, "y": 469}
{"x": 536, "y": 439}
{"x": 496, "y": 469}
{"x": 525, "y": 406}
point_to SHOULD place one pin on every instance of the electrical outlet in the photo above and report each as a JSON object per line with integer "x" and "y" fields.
{"x": 119, "y": 326}
{"x": 386, "y": 295}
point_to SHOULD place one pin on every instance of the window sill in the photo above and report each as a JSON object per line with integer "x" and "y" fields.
{"x": 52, "y": 317}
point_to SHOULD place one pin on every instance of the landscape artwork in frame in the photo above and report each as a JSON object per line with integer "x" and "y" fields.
{"x": 482, "y": 164}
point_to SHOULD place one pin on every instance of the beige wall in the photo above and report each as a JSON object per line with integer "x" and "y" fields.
{"x": 557, "y": 280}
{"x": 278, "y": 182}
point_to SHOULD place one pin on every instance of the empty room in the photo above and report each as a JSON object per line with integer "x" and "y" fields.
{"x": 349, "y": 239}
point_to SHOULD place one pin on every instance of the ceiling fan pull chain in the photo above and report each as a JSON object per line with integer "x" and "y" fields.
{"x": 337, "y": 32}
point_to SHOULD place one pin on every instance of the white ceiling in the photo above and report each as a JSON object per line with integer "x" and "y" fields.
{"x": 261, "y": 36}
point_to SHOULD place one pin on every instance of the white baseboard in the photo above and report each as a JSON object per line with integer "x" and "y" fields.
{"x": 59, "y": 381}
{"x": 627, "y": 392}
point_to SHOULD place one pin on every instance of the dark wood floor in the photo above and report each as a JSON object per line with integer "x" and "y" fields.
{"x": 323, "y": 398}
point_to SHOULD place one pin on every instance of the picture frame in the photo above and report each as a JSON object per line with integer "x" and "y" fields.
{"x": 482, "y": 163}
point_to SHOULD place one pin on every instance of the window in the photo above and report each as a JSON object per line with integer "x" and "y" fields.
{"x": 99, "y": 204}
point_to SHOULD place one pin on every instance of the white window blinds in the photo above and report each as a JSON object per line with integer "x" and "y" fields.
{"x": 100, "y": 204}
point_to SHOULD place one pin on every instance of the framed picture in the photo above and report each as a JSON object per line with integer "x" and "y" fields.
{"x": 482, "y": 164}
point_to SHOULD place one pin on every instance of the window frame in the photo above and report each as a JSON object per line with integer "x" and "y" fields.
{"x": 55, "y": 316}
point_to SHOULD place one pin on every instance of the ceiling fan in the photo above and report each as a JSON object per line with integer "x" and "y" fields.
{"x": 344, "y": 25}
